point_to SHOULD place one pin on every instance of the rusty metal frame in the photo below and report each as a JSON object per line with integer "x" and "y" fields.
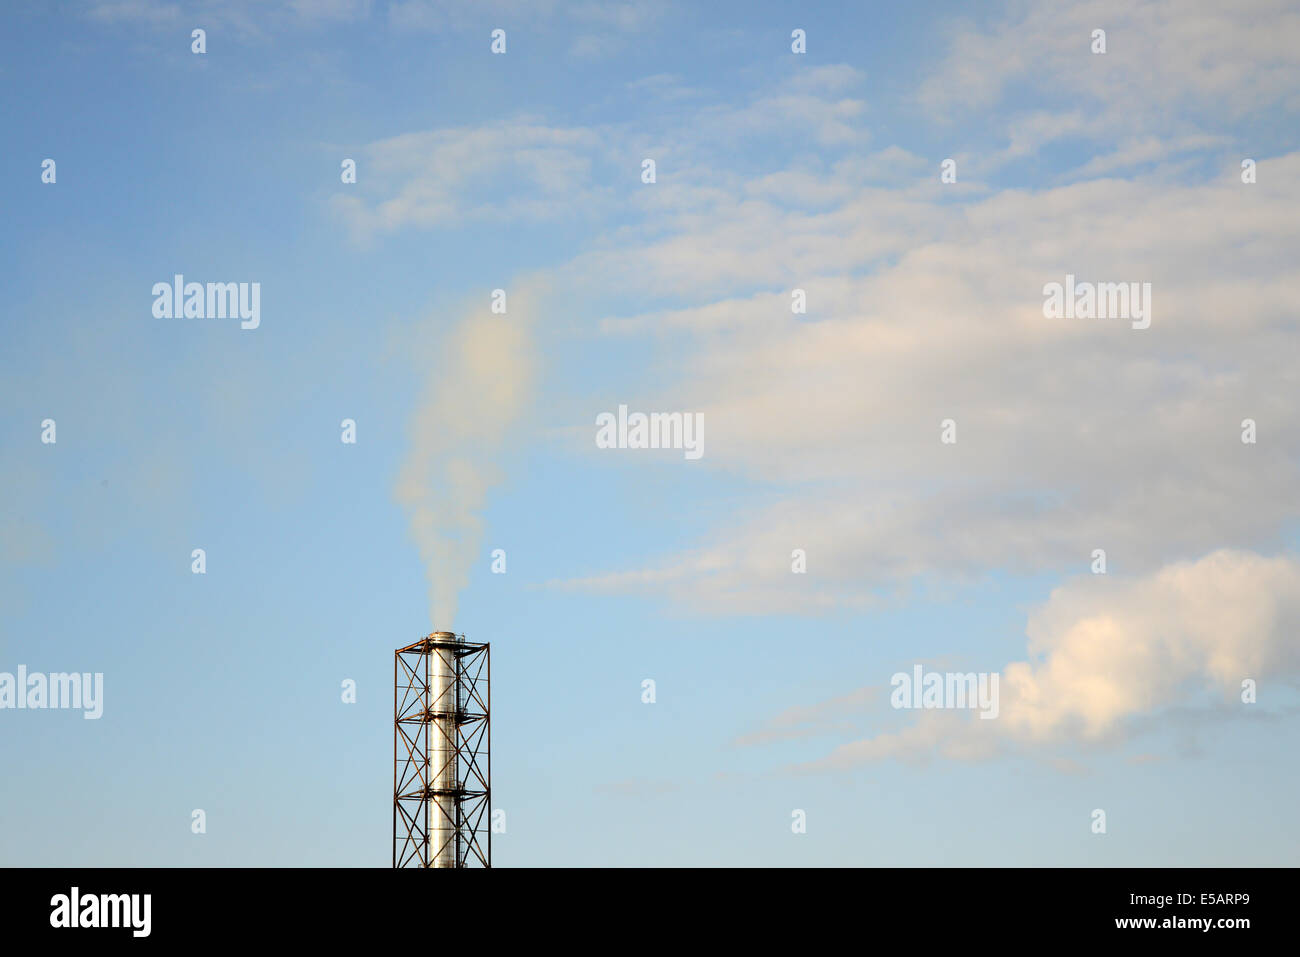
{"x": 412, "y": 725}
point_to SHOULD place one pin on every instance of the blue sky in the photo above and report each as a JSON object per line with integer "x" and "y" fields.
{"x": 774, "y": 171}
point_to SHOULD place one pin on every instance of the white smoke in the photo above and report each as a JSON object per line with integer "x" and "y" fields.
{"x": 478, "y": 384}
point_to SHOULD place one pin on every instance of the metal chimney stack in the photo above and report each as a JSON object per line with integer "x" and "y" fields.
{"x": 443, "y": 810}
{"x": 441, "y": 749}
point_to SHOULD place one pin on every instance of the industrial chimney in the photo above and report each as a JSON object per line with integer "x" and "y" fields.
{"x": 442, "y": 800}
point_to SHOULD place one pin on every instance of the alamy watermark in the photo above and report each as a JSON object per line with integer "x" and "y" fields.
{"x": 948, "y": 689}
{"x": 56, "y": 690}
{"x": 179, "y": 299}
{"x": 1101, "y": 300}
{"x": 658, "y": 430}
{"x": 76, "y": 909}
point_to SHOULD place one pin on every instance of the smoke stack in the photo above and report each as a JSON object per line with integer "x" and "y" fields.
{"x": 445, "y": 707}
{"x": 442, "y": 766}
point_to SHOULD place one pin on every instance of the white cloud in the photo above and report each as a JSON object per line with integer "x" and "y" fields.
{"x": 629, "y": 16}
{"x": 1167, "y": 62}
{"x": 626, "y": 17}
{"x": 519, "y": 169}
{"x": 149, "y": 11}
{"x": 826, "y": 717}
{"x": 331, "y": 10}
{"x": 925, "y": 303}
{"x": 1104, "y": 652}
{"x": 525, "y": 169}
{"x": 1072, "y": 434}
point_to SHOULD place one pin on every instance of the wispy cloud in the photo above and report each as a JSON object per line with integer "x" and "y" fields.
{"x": 1103, "y": 652}
{"x": 807, "y": 721}
{"x": 1167, "y": 63}
{"x": 517, "y": 170}
{"x": 914, "y": 309}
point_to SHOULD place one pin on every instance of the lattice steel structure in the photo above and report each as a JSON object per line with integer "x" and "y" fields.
{"x": 442, "y": 762}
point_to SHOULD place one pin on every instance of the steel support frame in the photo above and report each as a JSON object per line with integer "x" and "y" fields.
{"x": 413, "y": 723}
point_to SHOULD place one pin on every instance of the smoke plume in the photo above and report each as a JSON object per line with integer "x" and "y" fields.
{"x": 478, "y": 384}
